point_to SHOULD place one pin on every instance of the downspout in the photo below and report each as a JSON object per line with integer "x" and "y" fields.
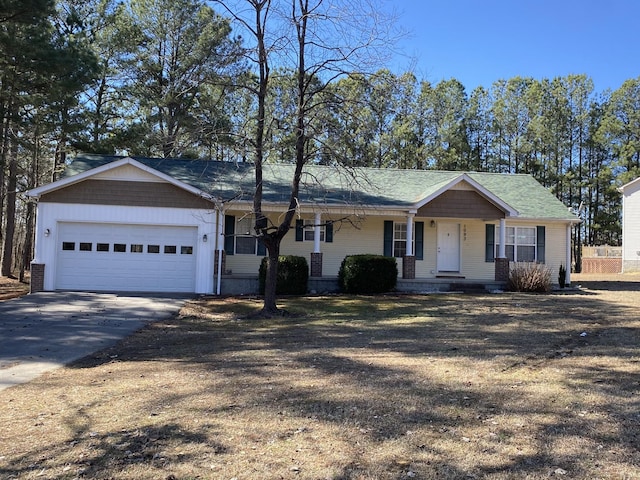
{"x": 567, "y": 274}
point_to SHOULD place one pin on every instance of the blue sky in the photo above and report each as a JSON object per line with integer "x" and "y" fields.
{"x": 481, "y": 41}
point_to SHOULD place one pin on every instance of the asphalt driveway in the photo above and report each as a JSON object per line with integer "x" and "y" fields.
{"x": 46, "y": 330}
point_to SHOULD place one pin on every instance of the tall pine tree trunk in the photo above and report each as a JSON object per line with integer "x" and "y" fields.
{"x": 27, "y": 250}
{"x": 10, "y": 212}
{"x": 4, "y": 154}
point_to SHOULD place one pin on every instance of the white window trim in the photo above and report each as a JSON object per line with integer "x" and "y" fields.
{"x": 515, "y": 243}
{"x": 309, "y": 227}
{"x": 243, "y": 233}
{"x": 402, "y": 240}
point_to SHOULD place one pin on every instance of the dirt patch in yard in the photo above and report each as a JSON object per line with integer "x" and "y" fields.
{"x": 12, "y": 288}
{"x": 502, "y": 386}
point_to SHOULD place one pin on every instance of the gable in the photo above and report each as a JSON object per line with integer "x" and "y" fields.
{"x": 127, "y": 173}
{"x": 630, "y": 188}
{"x": 460, "y": 203}
{"x": 124, "y": 192}
{"x": 459, "y": 197}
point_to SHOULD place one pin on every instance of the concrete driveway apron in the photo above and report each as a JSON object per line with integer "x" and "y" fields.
{"x": 46, "y": 330}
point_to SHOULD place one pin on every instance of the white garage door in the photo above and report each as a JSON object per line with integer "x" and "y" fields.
{"x": 113, "y": 257}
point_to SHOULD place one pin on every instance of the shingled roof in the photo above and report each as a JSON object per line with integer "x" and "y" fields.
{"x": 334, "y": 186}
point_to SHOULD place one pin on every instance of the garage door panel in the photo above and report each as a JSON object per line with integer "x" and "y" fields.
{"x": 126, "y": 257}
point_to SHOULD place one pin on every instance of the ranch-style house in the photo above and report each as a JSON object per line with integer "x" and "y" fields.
{"x": 119, "y": 223}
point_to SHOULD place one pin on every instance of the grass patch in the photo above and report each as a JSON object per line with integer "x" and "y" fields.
{"x": 352, "y": 388}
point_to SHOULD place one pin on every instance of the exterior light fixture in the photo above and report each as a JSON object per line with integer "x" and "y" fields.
{"x": 433, "y": 224}
{"x": 47, "y": 232}
{"x": 205, "y": 238}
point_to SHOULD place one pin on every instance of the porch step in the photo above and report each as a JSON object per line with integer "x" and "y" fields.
{"x": 468, "y": 287}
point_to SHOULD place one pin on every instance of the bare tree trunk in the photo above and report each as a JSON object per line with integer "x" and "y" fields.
{"x": 275, "y": 238}
{"x": 10, "y": 216}
{"x": 271, "y": 240}
{"x": 4, "y": 153}
{"x": 270, "y": 295}
{"x": 27, "y": 250}
{"x": 328, "y": 59}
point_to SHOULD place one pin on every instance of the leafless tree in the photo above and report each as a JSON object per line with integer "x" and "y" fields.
{"x": 319, "y": 40}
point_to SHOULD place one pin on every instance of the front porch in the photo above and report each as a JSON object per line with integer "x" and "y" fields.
{"x": 248, "y": 285}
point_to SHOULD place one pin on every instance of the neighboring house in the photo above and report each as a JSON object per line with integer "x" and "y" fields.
{"x": 164, "y": 225}
{"x": 631, "y": 226}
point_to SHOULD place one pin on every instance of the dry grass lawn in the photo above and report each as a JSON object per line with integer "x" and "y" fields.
{"x": 501, "y": 386}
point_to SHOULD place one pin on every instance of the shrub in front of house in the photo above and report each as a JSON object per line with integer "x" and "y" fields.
{"x": 529, "y": 277}
{"x": 562, "y": 276}
{"x": 367, "y": 274}
{"x": 293, "y": 275}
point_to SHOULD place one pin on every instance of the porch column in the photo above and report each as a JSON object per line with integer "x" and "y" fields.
{"x": 316, "y": 233}
{"x": 409, "y": 259}
{"x": 316, "y": 255}
{"x": 502, "y": 262}
{"x": 567, "y": 261}
{"x": 409, "y": 249}
{"x": 503, "y": 239}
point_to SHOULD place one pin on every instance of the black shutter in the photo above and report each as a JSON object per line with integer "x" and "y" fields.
{"x": 419, "y": 246}
{"x": 388, "y": 238}
{"x": 490, "y": 243}
{"x": 540, "y": 234}
{"x": 328, "y": 232}
{"x": 299, "y": 230}
{"x": 262, "y": 249}
{"x": 229, "y": 232}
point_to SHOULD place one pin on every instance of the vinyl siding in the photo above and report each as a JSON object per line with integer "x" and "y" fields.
{"x": 473, "y": 245}
{"x": 631, "y": 227}
{"x": 555, "y": 240}
{"x": 51, "y": 214}
{"x": 555, "y": 252}
{"x": 347, "y": 240}
{"x": 126, "y": 193}
{"x": 460, "y": 204}
{"x": 368, "y": 238}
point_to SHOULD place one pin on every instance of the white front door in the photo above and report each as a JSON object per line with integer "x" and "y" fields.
{"x": 448, "y": 247}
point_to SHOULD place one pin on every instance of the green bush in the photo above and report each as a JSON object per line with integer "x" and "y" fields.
{"x": 293, "y": 275}
{"x": 367, "y": 274}
{"x": 530, "y": 277}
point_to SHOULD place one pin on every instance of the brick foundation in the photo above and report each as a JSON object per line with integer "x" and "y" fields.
{"x": 37, "y": 277}
{"x": 316, "y": 264}
{"x": 502, "y": 269}
{"x": 408, "y": 267}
